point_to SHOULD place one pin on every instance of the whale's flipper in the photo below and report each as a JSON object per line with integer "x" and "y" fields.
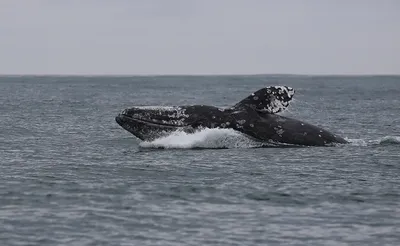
{"x": 272, "y": 99}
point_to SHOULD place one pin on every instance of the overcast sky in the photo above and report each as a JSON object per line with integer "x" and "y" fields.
{"x": 199, "y": 36}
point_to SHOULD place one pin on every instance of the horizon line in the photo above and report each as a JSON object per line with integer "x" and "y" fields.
{"x": 194, "y": 74}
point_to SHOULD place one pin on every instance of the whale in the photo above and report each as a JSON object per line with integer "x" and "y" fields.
{"x": 256, "y": 116}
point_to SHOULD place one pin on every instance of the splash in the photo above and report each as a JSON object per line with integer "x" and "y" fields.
{"x": 217, "y": 138}
{"x": 207, "y": 138}
{"x": 388, "y": 140}
{"x": 357, "y": 142}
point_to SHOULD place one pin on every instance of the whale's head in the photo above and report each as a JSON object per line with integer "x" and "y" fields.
{"x": 150, "y": 122}
{"x": 147, "y": 123}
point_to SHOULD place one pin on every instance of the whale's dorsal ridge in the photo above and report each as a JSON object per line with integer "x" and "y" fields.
{"x": 271, "y": 99}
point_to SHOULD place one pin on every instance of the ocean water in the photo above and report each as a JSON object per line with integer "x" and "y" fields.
{"x": 71, "y": 176}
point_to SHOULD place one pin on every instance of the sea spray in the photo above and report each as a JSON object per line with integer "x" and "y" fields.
{"x": 389, "y": 140}
{"x": 206, "y": 138}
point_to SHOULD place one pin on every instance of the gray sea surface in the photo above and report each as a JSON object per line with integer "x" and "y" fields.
{"x": 71, "y": 176}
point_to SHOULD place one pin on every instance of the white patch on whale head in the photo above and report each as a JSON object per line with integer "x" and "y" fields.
{"x": 278, "y": 99}
{"x": 160, "y": 108}
{"x": 176, "y": 114}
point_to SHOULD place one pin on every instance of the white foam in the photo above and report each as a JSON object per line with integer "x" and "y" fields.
{"x": 390, "y": 140}
{"x": 357, "y": 142}
{"x": 207, "y": 138}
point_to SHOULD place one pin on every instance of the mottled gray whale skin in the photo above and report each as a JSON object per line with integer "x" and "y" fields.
{"x": 255, "y": 116}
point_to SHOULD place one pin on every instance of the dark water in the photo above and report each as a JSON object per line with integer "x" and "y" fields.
{"x": 71, "y": 176}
